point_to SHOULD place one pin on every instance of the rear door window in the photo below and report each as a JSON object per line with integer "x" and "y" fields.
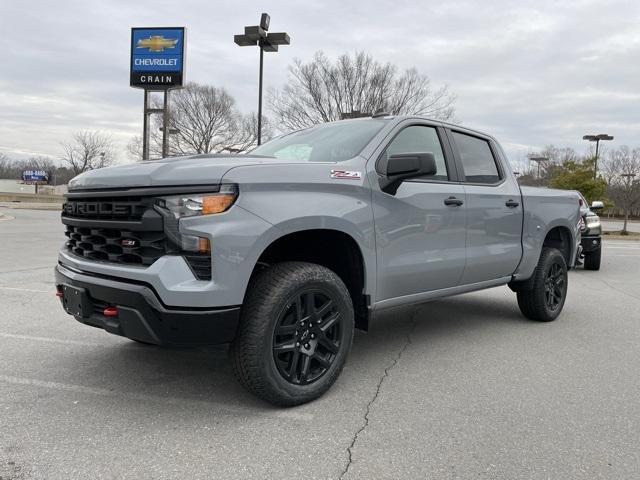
{"x": 477, "y": 159}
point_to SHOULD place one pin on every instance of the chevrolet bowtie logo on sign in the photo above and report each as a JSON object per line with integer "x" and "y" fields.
{"x": 156, "y": 43}
{"x": 157, "y": 57}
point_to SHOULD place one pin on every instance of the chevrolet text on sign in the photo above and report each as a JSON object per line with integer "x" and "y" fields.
{"x": 157, "y": 57}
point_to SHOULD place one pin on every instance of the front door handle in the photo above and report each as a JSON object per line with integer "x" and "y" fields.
{"x": 453, "y": 201}
{"x": 511, "y": 203}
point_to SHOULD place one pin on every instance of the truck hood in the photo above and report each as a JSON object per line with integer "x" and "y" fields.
{"x": 193, "y": 170}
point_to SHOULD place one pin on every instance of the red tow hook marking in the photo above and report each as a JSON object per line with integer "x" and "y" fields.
{"x": 59, "y": 294}
{"x": 110, "y": 312}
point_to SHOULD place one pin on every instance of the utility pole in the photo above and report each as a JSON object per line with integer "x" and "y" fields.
{"x": 268, "y": 42}
{"x": 597, "y": 138}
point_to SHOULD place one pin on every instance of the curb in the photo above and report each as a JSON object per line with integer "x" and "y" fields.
{"x": 32, "y": 206}
{"x": 632, "y": 238}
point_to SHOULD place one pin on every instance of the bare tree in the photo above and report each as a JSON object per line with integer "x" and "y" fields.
{"x": 12, "y": 169}
{"x": 540, "y": 168}
{"x": 39, "y": 162}
{"x": 134, "y": 148}
{"x": 622, "y": 169}
{"x": 202, "y": 119}
{"x": 6, "y": 166}
{"x": 323, "y": 91}
{"x": 87, "y": 151}
{"x": 246, "y": 136}
{"x": 559, "y": 155}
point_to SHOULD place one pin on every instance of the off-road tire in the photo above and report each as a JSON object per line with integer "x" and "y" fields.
{"x": 270, "y": 293}
{"x": 141, "y": 342}
{"x": 534, "y": 302}
{"x": 592, "y": 259}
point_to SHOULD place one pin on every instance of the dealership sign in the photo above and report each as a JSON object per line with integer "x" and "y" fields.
{"x": 157, "y": 58}
{"x": 35, "y": 176}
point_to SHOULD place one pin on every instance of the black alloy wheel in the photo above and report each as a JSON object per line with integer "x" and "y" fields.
{"x": 295, "y": 333}
{"x": 307, "y": 336}
{"x": 542, "y": 297}
{"x": 554, "y": 286}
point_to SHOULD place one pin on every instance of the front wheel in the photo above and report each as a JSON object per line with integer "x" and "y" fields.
{"x": 296, "y": 330}
{"x": 544, "y": 301}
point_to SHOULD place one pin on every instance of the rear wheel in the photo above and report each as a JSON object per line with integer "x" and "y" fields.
{"x": 544, "y": 301}
{"x": 592, "y": 259}
{"x": 296, "y": 330}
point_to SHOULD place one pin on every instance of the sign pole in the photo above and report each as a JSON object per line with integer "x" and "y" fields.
{"x": 145, "y": 127}
{"x": 165, "y": 125}
{"x": 260, "y": 101}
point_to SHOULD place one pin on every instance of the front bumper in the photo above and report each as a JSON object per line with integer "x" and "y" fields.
{"x": 238, "y": 238}
{"x": 590, "y": 243}
{"x": 141, "y": 314}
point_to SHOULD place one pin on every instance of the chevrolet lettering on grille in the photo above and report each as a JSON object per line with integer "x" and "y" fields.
{"x": 86, "y": 209}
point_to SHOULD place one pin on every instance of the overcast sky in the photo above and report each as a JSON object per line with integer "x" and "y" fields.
{"x": 531, "y": 73}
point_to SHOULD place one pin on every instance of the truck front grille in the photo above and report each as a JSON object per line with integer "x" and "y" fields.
{"x": 125, "y": 230}
{"x": 116, "y": 245}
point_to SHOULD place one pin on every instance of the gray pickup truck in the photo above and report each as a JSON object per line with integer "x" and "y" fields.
{"x": 284, "y": 251}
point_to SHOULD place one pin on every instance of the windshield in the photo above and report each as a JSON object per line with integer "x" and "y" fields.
{"x": 327, "y": 142}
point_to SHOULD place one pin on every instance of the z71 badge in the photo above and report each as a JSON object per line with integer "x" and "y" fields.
{"x": 345, "y": 175}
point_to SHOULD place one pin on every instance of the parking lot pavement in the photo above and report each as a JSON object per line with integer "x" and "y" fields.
{"x": 614, "y": 225}
{"x": 458, "y": 388}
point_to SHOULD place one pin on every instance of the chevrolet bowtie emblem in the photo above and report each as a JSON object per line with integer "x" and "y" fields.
{"x": 156, "y": 43}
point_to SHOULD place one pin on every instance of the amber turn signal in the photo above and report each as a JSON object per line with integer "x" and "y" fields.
{"x": 204, "y": 246}
{"x": 217, "y": 203}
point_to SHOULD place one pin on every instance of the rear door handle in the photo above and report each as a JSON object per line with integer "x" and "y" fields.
{"x": 453, "y": 201}
{"x": 512, "y": 203}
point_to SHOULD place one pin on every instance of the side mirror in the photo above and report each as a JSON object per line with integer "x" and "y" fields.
{"x": 597, "y": 205}
{"x": 403, "y": 166}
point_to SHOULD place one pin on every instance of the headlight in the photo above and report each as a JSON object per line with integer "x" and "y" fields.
{"x": 593, "y": 222}
{"x": 200, "y": 203}
{"x": 175, "y": 207}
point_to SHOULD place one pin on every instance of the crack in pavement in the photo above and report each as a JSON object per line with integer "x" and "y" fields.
{"x": 618, "y": 289}
{"x": 30, "y": 269}
{"x": 375, "y": 396}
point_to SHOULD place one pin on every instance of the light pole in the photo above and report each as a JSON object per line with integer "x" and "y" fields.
{"x": 165, "y": 138}
{"x": 172, "y": 131}
{"x": 538, "y": 160}
{"x": 268, "y": 42}
{"x": 597, "y": 138}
